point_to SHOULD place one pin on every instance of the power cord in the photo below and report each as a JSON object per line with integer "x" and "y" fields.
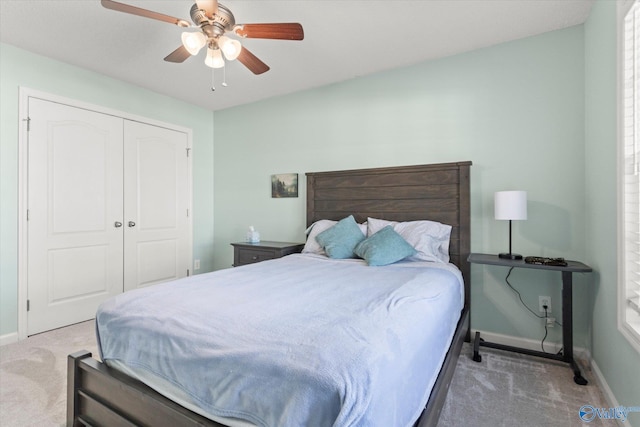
{"x": 546, "y": 330}
{"x": 506, "y": 279}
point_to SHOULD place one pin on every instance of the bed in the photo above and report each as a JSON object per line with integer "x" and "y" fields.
{"x": 103, "y": 395}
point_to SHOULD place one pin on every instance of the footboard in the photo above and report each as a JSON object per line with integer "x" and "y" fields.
{"x": 100, "y": 396}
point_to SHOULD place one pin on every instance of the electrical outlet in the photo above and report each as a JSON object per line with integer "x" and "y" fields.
{"x": 196, "y": 264}
{"x": 544, "y": 301}
{"x": 550, "y": 321}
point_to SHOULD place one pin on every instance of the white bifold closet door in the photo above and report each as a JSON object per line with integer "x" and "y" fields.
{"x": 107, "y": 210}
{"x": 155, "y": 205}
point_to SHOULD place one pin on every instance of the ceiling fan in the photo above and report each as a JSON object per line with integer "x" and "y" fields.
{"x": 214, "y": 21}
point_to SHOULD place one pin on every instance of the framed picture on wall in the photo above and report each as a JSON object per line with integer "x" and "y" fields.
{"x": 284, "y": 185}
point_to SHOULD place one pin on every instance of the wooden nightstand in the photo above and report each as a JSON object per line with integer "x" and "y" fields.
{"x": 249, "y": 253}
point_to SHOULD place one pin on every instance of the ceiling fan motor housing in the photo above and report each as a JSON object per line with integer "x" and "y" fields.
{"x": 222, "y": 21}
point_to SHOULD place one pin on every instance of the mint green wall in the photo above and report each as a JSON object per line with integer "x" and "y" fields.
{"x": 612, "y": 353}
{"x": 516, "y": 110}
{"x": 21, "y": 68}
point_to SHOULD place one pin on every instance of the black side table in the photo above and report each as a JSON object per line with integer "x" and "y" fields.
{"x": 567, "y": 310}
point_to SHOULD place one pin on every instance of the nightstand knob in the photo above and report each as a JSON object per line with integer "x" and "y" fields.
{"x": 255, "y": 257}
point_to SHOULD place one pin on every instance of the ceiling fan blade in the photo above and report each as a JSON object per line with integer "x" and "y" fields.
{"x": 178, "y": 55}
{"x": 209, "y": 6}
{"x": 283, "y": 31}
{"x": 249, "y": 60}
{"x": 133, "y": 10}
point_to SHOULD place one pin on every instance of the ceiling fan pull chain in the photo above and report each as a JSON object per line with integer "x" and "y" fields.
{"x": 224, "y": 76}
{"x": 213, "y": 83}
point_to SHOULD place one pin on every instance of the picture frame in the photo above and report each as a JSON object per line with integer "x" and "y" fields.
{"x": 284, "y": 185}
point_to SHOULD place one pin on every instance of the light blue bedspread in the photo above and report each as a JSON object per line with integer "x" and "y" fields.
{"x": 298, "y": 341}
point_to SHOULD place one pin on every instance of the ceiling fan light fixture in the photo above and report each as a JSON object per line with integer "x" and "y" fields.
{"x": 230, "y": 47}
{"x": 214, "y": 58}
{"x": 213, "y": 21}
{"x": 193, "y": 42}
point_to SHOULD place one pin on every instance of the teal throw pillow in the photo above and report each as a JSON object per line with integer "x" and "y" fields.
{"x": 340, "y": 240}
{"x": 384, "y": 247}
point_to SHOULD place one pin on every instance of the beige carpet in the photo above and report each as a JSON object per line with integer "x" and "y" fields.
{"x": 33, "y": 375}
{"x": 505, "y": 389}
{"x": 508, "y": 389}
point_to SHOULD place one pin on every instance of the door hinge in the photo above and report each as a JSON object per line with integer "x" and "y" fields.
{"x": 28, "y": 305}
{"x": 188, "y": 273}
{"x": 187, "y": 213}
{"x": 28, "y": 120}
{"x": 188, "y": 151}
{"x": 28, "y": 215}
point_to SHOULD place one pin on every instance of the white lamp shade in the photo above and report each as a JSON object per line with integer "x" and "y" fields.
{"x": 510, "y": 205}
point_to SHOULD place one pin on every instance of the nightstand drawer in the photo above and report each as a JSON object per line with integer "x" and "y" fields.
{"x": 250, "y": 253}
{"x": 249, "y": 256}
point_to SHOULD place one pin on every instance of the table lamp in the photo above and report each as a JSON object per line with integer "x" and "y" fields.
{"x": 510, "y": 205}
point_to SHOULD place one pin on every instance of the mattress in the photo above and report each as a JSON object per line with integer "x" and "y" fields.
{"x": 301, "y": 340}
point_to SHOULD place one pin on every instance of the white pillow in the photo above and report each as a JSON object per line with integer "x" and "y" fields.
{"x": 312, "y": 246}
{"x": 429, "y": 238}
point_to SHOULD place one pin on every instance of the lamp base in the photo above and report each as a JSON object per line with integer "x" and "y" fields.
{"x": 509, "y": 256}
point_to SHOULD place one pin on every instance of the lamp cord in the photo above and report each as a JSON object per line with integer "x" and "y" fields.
{"x": 506, "y": 279}
{"x": 546, "y": 331}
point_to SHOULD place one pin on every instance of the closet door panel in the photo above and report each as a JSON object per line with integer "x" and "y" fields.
{"x": 156, "y": 188}
{"x": 75, "y": 199}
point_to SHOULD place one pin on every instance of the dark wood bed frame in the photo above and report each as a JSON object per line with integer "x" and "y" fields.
{"x": 100, "y": 396}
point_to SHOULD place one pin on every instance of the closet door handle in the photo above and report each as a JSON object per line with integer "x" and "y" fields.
{"x": 118, "y": 224}
{"x": 132, "y": 224}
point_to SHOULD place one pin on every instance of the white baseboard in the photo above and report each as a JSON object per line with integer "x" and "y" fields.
{"x": 8, "y": 338}
{"x": 608, "y": 394}
{"x": 579, "y": 353}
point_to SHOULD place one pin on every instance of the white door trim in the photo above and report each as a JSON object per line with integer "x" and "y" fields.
{"x": 24, "y": 95}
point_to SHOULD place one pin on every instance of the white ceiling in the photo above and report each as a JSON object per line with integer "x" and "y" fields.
{"x": 343, "y": 39}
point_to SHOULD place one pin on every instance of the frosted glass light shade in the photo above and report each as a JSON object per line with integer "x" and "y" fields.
{"x": 214, "y": 58}
{"x": 193, "y": 42}
{"x": 231, "y": 48}
{"x": 510, "y": 205}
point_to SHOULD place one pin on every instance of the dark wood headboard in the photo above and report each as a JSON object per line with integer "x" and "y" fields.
{"x": 437, "y": 192}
